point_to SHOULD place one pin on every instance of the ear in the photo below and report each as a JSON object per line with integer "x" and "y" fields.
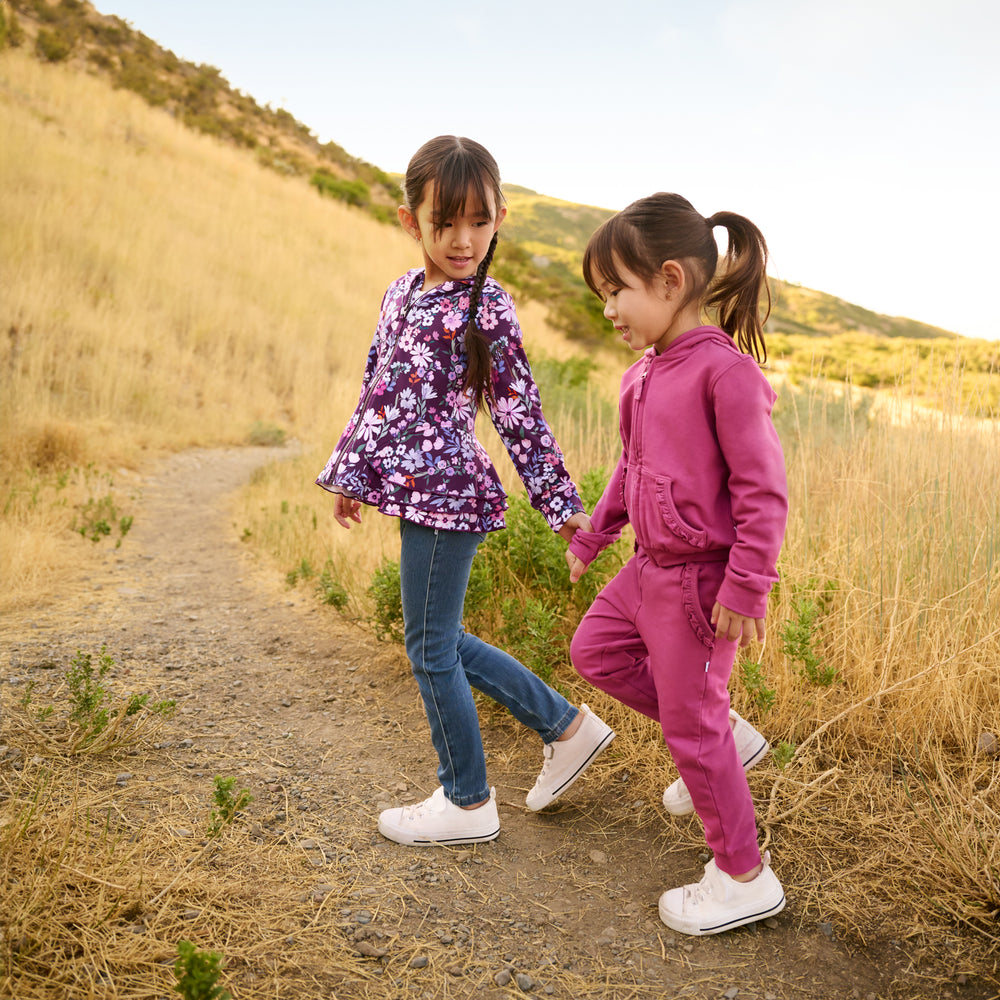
{"x": 408, "y": 221}
{"x": 501, "y": 215}
{"x": 674, "y": 277}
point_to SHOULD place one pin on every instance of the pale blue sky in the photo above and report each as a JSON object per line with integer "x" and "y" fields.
{"x": 863, "y": 137}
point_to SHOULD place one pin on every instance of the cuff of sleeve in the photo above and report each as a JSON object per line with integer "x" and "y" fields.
{"x": 587, "y": 545}
{"x": 742, "y": 600}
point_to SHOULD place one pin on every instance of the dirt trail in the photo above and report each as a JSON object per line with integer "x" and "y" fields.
{"x": 324, "y": 727}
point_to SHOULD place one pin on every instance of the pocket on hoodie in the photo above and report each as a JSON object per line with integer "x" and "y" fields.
{"x": 697, "y": 538}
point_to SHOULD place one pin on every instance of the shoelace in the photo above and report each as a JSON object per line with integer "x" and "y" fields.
{"x": 416, "y": 810}
{"x": 699, "y": 893}
{"x": 548, "y": 751}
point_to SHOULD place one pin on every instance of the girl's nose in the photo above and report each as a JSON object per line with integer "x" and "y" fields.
{"x": 609, "y": 310}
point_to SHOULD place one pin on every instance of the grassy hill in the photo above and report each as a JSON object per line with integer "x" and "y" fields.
{"x": 544, "y": 237}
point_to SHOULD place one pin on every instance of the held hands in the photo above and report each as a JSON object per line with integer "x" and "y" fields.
{"x": 729, "y": 625}
{"x": 578, "y": 522}
{"x": 346, "y": 509}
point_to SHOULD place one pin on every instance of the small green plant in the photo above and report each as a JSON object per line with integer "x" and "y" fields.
{"x": 197, "y": 973}
{"x": 227, "y": 804}
{"x": 98, "y": 518}
{"x": 783, "y": 753}
{"x": 303, "y": 571}
{"x": 387, "y": 618}
{"x": 529, "y": 634}
{"x": 798, "y": 635}
{"x": 266, "y": 435}
{"x": 87, "y": 694}
{"x": 756, "y": 685}
{"x": 330, "y": 590}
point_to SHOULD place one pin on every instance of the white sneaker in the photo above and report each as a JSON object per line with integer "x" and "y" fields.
{"x": 438, "y": 821}
{"x": 719, "y": 903}
{"x": 750, "y": 745}
{"x": 566, "y": 760}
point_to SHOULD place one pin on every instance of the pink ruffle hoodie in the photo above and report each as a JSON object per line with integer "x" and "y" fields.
{"x": 701, "y": 476}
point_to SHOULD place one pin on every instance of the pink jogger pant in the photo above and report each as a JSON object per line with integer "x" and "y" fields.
{"x": 647, "y": 641}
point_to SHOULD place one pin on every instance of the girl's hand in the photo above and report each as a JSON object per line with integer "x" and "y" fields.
{"x": 578, "y": 522}
{"x": 577, "y": 567}
{"x": 346, "y": 509}
{"x": 729, "y": 625}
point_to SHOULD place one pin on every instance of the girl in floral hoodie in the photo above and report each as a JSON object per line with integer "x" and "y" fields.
{"x": 448, "y": 343}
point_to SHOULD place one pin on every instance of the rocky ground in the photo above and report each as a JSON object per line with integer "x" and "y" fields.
{"x": 322, "y": 724}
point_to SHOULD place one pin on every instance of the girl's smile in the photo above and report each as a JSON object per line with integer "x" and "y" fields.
{"x": 651, "y": 314}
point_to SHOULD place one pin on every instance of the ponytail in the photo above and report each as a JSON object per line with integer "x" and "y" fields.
{"x": 666, "y": 227}
{"x": 736, "y": 291}
{"x": 478, "y": 374}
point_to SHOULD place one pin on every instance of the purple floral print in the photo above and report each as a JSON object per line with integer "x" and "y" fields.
{"x": 410, "y": 447}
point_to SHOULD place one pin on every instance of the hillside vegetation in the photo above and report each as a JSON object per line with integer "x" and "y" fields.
{"x": 544, "y": 238}
{"x": 164, "y": 288}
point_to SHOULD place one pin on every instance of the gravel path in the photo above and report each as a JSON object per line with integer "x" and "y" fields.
{"x": 323, "y": 725}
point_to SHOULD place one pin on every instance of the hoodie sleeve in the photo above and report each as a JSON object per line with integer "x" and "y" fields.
{"x": 608, "y": 520}
{"x": 758, "y": 488}
{"x": 516, "y": 412}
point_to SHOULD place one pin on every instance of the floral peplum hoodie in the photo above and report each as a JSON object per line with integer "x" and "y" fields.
{"x": 410, "y": 448}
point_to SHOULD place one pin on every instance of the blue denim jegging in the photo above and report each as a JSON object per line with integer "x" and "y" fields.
{"x": 448, "y": 663}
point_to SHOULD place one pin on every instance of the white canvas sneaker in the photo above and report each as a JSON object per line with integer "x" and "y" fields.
{"x": 719, "y": 903}
{"x": 566, "y": 760}
{"x": 438, "y": 821}
{"x": 750, "y": 745}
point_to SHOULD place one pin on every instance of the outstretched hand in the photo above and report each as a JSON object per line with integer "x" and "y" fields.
{"x": 730, "y": 625}
{"x": 346, "y": 509}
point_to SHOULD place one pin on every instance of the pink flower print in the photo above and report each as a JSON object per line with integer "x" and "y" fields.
{"x": 463, "y": 302}
{"x": 487, "y": 320}
{"x": 509, "y": 412}
{"x": 369, "y": 425}
{"x": 421, "y": 355}
{"x": 452, "y": 320}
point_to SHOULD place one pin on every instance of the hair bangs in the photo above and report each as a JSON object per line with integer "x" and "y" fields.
{"x": 461, "y": 184}
{"x": 609, "y": 249}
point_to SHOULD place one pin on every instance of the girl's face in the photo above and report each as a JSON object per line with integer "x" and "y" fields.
{"x": 649, "y": 315}
{"x": 455, "y": 249}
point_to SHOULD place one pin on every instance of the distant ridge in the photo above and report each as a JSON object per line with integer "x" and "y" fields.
{"x": 544, "y": 237}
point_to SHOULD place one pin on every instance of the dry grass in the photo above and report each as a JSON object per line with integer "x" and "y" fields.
{"x": 196, "y": 294}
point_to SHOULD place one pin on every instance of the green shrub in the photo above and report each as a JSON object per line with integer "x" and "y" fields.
{"x": 353, "y": 192}
{"x": 197, "y": 973}
{"x": 387, "y": 618}
{"x": 330, "y": 589}
{"x": 52, "y": 45}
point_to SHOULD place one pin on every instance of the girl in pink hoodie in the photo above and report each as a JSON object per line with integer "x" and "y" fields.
{"x": 701, "y": 479}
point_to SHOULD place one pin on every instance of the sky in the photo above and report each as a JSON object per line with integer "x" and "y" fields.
{"x": 862, "y": 136}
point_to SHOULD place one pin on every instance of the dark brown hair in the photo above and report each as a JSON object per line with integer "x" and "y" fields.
{"x": 460, "y": 168}
{"x": 666, "y": 227}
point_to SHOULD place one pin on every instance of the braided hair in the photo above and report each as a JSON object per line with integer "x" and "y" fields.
{"x": 460, "y": 168}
